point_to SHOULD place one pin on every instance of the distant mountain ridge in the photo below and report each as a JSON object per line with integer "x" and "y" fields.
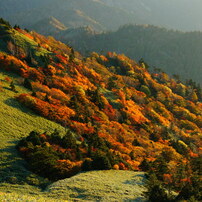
{"x": 50, "y": 26}
{"x": 173, "y": 51}
{"x": 70, "y": 13}
{"x": 173, "y": 14}
{"x": 105, "y": 14}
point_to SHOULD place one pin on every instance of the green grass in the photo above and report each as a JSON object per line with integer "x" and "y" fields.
{"x": 110, "y": 185}
{"x": 26, "y": 43}
{"x": 13, "y": 197}
{"x": 16, "y": 122}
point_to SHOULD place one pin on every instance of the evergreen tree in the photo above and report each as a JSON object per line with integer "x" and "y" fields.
{"x": 12, "y": 86}
{"x": 100, "y": 161}
{"x": 155, "y": 190}
{"x": 69, "y": 141}
{"x": 27, "y": 84}
{"x": 145, "y": 165}
{"x": 72, "y": 55}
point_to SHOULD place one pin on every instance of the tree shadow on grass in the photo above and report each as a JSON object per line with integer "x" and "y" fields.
{"x": 138, "y": 179}
{"x": 14, "y": 169}
{"x": 14, "y": 91}
{"x": 137, "y": 199}
{"x": 12, "y": 102}
{"x": 11, "y": 165}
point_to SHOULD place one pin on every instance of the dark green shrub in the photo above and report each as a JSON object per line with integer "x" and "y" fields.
{"x": 87, "y": 165}
{"x": 100, "y": 161}
{"x": 34, "y": 137}
{"x": 69, "y": 141}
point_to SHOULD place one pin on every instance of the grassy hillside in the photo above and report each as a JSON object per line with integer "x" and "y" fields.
{"x": 15, "y": 197}
{"x": 19, "y": 184}
{"x": 16, "y": 122}
{"x": 90, "y": 186}
{"x": 102, "y": 186}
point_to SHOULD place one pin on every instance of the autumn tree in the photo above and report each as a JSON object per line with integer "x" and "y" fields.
{"x": 146, "y": 90}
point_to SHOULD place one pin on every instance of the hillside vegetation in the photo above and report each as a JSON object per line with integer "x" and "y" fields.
{"x": 173, "y": 52}
{"x": 90, "y": 186}
{"x": 117, "y": 115}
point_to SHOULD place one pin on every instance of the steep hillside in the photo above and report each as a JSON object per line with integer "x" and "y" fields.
{"x": 16, "y": 121}
{"x": 49, "y": 26}
{"x": 17, "y": 183}
{"x": 117, "y": 115}
{"x": 92, "y": 186}
{"x": 174, "y": 52}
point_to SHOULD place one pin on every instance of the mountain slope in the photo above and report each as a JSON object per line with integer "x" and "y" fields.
{"x": 49, "y": 26}
{"x": 172, "y": 51}
{"x": 160, "y": 48}
{"x": 92, "y": 186}
{"x": 117, "y": 115}
{"x": 16, "y": 121}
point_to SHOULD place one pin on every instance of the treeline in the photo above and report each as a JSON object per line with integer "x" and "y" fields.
{"x": 167, "y": 184}
{"x": 57, "y": 156}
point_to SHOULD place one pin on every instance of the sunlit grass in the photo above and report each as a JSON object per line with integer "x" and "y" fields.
{"x": 16, "y": 122}
{"x": 27, "y": 43}
{"x": 110, "y": 185}
{"x": 14, "y": 197}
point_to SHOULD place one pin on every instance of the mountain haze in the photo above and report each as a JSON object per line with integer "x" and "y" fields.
{"x": 105, "y": 14}
{"x": 173, "y": 14}
{"x": 75, "y": 13}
